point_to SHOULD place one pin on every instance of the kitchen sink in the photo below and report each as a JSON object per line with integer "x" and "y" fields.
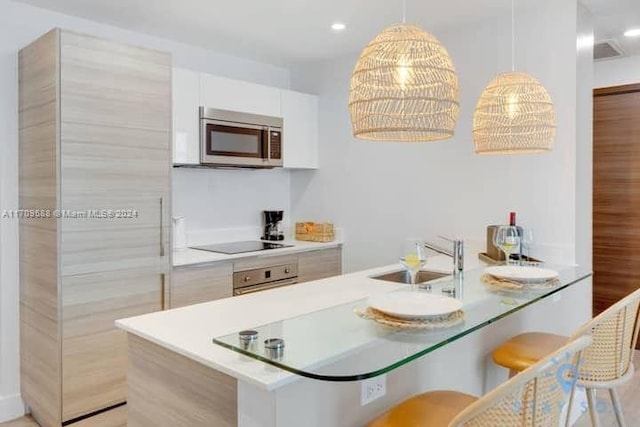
{"x": 402, "y": 276}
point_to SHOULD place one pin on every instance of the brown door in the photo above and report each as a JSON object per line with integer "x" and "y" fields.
{"x": 616, "y": 194}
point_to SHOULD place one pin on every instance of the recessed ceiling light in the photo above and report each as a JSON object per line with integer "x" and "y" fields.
{"x": 338, "y": 26}
{"x": 633, "y": 32}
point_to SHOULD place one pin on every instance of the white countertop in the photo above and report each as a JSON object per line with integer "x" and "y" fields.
{"x": 187, "y": 256}
{"x": 189, "y": 330}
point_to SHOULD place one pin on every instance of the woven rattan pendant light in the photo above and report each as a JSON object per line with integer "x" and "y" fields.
{"x": 514, "y": 113}
{"x": 404, "y": 88}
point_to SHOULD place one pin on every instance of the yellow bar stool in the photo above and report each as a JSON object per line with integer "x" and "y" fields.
{"x": 607, "y": 362}
{"x": 534, "y": 398}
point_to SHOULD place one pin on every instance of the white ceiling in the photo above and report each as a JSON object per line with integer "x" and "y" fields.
{"x": 278, "y": 31}
{"x": 612, "y": 18}
{"x": 287, "y": 31}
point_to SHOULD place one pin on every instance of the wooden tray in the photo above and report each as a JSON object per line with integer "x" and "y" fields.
{"x": 315, "y": 231}
{"x": 528, "y": 260}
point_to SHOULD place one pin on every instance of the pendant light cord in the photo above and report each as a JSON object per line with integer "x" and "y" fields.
{"x": 404, "y": 11}
{"x": 513, "y": 36}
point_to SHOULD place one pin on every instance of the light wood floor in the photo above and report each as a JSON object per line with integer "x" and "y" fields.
{"x": 21, "y": 422}
{"x": 629, "y": 393}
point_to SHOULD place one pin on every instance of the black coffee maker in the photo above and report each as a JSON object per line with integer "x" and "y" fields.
{"x": 271, "y": 221}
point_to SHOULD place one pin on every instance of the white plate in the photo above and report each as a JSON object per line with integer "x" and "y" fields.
{"x": 522, "y": 273}
{"x": 411, "y": 305}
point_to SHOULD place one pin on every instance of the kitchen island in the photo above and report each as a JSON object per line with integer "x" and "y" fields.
{"x": 178, "y": 377}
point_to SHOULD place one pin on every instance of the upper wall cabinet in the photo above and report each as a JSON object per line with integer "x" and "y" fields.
{"x": 300, "y": 131}
{"x": 186, "y": 120}
{"x": 236, "y": 95}
{"x": 298, "y": 110}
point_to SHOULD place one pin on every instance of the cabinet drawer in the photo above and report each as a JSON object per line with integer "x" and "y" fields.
{"x": 320, "y": 264}
{"x": 201, "y": 283}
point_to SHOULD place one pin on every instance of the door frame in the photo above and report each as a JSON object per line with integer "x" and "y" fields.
{"x": 616, "y": 90}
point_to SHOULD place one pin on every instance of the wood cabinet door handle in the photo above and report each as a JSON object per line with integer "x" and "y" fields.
{"x": 161, "y": 226}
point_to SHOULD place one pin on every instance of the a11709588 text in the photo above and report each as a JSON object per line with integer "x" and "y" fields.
{"x": 68, "y": 213}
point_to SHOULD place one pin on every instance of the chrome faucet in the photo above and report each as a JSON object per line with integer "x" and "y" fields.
{"x": 457, "y": 253}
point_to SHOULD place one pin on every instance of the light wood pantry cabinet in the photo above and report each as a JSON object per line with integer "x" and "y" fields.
{"x": 95, "y": 144}
{"x": 193, "y": 284}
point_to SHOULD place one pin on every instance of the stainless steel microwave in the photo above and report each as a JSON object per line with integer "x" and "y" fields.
{"x": 233, "y": 139}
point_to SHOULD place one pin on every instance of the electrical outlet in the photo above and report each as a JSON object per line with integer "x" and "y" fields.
{"x": 372, "y": 389}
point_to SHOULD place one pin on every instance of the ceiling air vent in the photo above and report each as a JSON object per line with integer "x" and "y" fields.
{"x": 606, "y": 49}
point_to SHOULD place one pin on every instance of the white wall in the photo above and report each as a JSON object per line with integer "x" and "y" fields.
{"x": 382, "y": 193}
{"x": 584, "y": 139}
{"x": 19, "y": 25}
{"x": 227, "y": 199}
{"x": 617, "y": 72}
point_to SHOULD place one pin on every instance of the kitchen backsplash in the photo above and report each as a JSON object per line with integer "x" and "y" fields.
{"x": 234, "y": 234}
{"x": 219, "y": 235}
{"x": 219, "y": 200}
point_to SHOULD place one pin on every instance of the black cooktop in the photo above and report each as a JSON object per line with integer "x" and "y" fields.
{"x": 240, "y": 247}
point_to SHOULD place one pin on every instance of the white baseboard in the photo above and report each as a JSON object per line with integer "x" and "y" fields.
{"x": 11, "y": 407}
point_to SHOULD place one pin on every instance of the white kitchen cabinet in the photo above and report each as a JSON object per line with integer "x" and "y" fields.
{"x": 298, "y": 110}
{"x": 237, "y": 95}
{"x": 186, "y": 117}
{"x": 300, "y": 131}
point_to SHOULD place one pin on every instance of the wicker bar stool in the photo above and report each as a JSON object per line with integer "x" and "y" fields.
{"x": 534, "y": 398}
{"x": 607, "y": 362}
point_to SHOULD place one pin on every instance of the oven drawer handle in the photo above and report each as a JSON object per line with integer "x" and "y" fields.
{"x": 258, "y": 288}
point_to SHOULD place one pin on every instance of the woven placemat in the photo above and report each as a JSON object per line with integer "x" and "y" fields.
{"x": 434, "y": 322}
{"x": 513, "y": 285}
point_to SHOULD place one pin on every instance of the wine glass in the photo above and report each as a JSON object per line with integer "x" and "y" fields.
{"x": 527, "y": 241}
{"x": 412, "y": 258}
{"x": 507, "y": 239}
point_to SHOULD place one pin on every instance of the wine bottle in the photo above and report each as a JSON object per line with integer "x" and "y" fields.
{"x": 517, "y": 253}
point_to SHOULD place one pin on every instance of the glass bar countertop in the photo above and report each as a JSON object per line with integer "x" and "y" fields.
{"x": 335, "y": 344}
